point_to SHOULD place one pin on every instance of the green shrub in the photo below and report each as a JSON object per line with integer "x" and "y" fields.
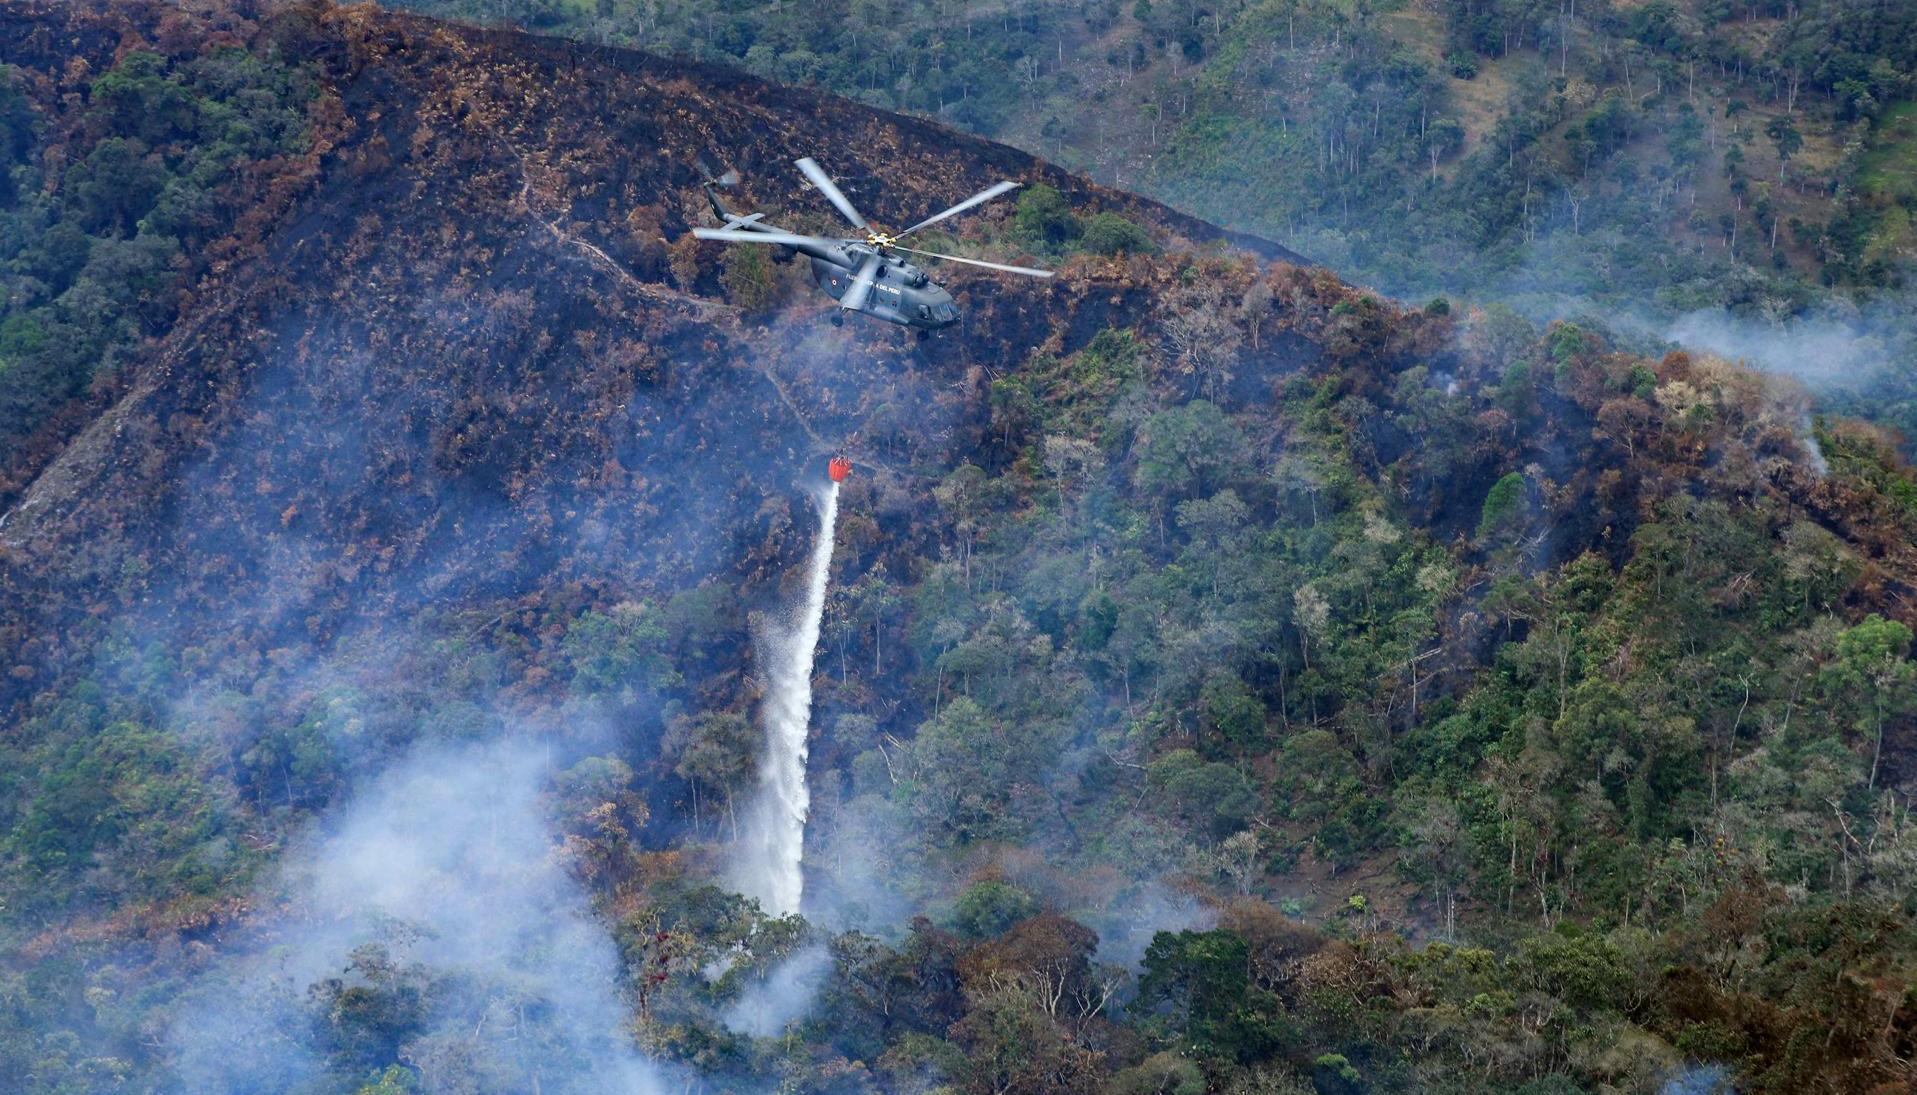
{"x": 1044, "y": 220}
{"x": 1111, "y": 234}
{"x": 1501, "y": 503}
{"x": 987, "y": 909}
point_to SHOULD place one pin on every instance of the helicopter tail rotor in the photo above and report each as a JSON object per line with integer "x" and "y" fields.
{"x": 729, "y": 178}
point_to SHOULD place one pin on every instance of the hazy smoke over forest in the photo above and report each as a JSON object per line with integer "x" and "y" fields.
{"x": 783, "y": 997}
{"x": 439, "y": 900}
{"x": 1833, "y": 348}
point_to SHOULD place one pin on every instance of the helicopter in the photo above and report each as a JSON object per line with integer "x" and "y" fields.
{"x": 862, "y": 273}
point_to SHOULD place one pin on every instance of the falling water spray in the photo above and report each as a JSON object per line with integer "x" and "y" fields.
{"x": 770, "y": 849}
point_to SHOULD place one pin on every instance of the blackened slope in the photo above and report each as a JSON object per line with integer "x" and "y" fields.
{"x": 460, "y": 368}
{"x": 893, "y": 164}
{"x": 48, "y": 29}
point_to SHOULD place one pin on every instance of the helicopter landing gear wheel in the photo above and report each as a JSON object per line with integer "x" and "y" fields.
{"x": 838, "y": 319}
{"x": 924, "y": 334}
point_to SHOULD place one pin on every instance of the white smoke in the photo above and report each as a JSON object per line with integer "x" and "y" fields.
{"x": 1700, "y": 1080}
{"x": 1842, "y": 351}
{"x": 1128, "y": 922}
{"x": 773, "y": 843}
{"x": 784, "y": 997}
{"x": 1814, "y": 450}
{"x": 1823, "y": 351}
{"x": 448, "y": 863}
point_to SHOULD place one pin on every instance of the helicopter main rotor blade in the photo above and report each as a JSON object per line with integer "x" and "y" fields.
{"x": 734, "y": 235}
{"x": 979, "y": 198}
{"x": 813, "y": 172}
{"x": 861, "y": 289}
{"x": 1026, "y": 270}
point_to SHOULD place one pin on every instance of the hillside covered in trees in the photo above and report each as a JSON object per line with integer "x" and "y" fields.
{"x": 1676, "y": 153}
{"x": 1729, "y": 175}
{"x": 1230, "y": 681}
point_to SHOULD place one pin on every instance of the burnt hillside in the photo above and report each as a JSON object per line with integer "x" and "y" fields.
{"x": 478, "y": 255}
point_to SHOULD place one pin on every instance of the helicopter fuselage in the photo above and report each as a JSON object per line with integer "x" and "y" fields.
{"x": 902, "y": 293}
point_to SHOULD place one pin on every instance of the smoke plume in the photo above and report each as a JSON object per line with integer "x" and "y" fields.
{"x": 1823, "y": 351}
{"x": 433, "y": 917}
{"x": 784, "y": 997}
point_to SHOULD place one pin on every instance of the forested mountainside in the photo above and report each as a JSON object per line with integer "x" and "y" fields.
{"x": 1230, "y": 681}
{"x": 1692, "y": 153}
{"x": 1729, "y": 174}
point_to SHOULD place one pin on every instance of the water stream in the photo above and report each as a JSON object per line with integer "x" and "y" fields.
{"x": 774, "y": 836}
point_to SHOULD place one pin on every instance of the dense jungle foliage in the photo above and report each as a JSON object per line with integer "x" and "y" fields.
{"x": 106, "y": 214}
{"x": 1231, "y": 681}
